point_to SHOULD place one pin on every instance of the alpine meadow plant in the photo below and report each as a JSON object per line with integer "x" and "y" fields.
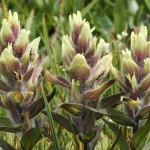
{"x": 20, "y": 69}
{"x": 86, "y": 68}
{"x": 135, "y": 84}
{"x": 86, "y": 112}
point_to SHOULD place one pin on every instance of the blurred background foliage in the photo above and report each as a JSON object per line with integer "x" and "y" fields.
{"x": 49, "y": 19}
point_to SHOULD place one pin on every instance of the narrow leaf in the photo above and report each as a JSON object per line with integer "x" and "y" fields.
{"x": 4, "y": 145}
{"x": 57, "y": 79}
{"x": 140, "y": 136}
{"x": 4, "y": 121}
{"x": 147, "y": 3}
{"x": 86, "y": 9}
{"x": 92, "y": 94}
{"x": 11, "y": 128}
{"x": 51, "y": 122}
{"x": 115, "y": 115}
{"x": 120, "y": 17}
{"x": 122, "y": 140}
{"x": 144, "y": 111}
{"x": 65, "y": 123}
{"x": 30, "y": 138}
{"x": 39, "y": 105}
{"x": 111, "y": 101}
{"x": 114, "y": 144}
{"x": 88, "y": 137}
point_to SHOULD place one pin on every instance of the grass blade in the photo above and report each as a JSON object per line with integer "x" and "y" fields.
{"x": 51, "y": 122}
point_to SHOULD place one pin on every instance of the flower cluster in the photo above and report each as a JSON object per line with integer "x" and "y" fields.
{"x": 135, "y": 79}
{"x": 20, "y": 67}
{"x": 81, "y": 55}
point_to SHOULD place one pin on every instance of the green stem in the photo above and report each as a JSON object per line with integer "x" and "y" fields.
{"x": 86, "y": 146}
{"x": 51, "y": 122}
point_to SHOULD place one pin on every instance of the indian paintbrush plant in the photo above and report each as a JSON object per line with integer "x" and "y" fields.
{"x": 86, "y": 68}
{"x": 135, "y": 81}
{"x": 20, "y": 69}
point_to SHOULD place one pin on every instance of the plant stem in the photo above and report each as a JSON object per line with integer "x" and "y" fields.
{"x": 135, "y": 128}
{"x": 85, "y": 129}
{"x": 86, "y": 146}
{"x": 51, "y": 122}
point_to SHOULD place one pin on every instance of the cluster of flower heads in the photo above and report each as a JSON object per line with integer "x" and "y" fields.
{"x": 135, "y": 79}
{"x": 81, "y": 54}
{"x": 20, "y": 64}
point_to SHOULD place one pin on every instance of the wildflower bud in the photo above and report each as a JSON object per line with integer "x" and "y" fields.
{"x": 75, "y": 20}
{"x": 92, "y": 46}
{"x": 147, "y": 65}
{"x": 21, "y": 43}
{"x": 143, "y": 31}
{"x": 139, "y": 44}
{"x": 133, "y": 81}
{"x": 145, "y": 83}
{"x": 7, "y": 33}
{"x": 2, "y": 41}
{"x": 129, "y": 64}
{"x": 68, "y": 51}
{"x": 14, "y": 24}
{"x": 90, "y": 52}
{"x": 79, "y": 69}
{"x": 118, "y": 76}
{"x": 30, "y": 50}
{"x": 8, "y": 61}
{"x": 84, "y": 38}
{"x": 100, "y": 69}
{"x": 98, "y": 52}
{"x": 76, "y": 24}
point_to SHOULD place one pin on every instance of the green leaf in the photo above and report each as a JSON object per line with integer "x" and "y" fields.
{"x": 115, "y": 115}
{"x": 120, "y": 15}
{"x": 144, "y": 111}
{"x": 7, "y": 125}
{"x": 29, "y": 21}
{"x": 4, "y": 121}
{"x": 74, "y": 108}
{"x": 86, "y": 138}
{"x": 65, "y": 123}
{"x": 4, "y": 145}
{"x": 11, "y": 128}
{"x": 86, "y": 9}
{"x": 147, "y": 3}
{"x": 122, "y": 140}
{"x": 138, "y": 139}
{"x": 93, "y": 143}
{"x": 114, "y": 144}
{"x": 39, "y": 105}
{"x": 110, "y": 101}
{"x": 93, "y": 94}
{"x": 51, "y": 121}
{"x": 30, "y": 138}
